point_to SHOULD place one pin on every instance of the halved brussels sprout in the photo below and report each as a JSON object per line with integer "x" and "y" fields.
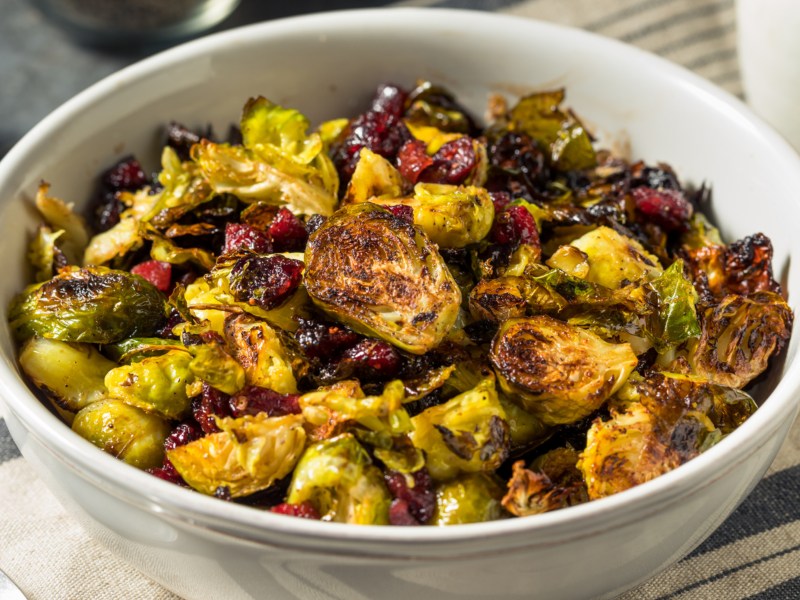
{"x": 249, "y": 454}
{"x": 739, "y": 335}
{"x": 559, "y": 372}
{"x": 615, "y": 260}
{"x": 657, "y": 423}
{"x": 553, "y": 481}
{"x": 124, "y": 431}
{"x": 466, "y": 434}
{"x": 470, "y": 498}
{"x": 258, "y": 349}
{"x": 70, "y": 374}
{"x": 93, "y": 304}
{"x": 42, "y": 253}
{"x": 381, "y": 276}
{"x": 338, "y": 478}
{"x": 452, "y": 216}
{"x": 156, "y": 384}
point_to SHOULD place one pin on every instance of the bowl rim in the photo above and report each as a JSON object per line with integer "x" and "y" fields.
{"x": 136, "y": 487}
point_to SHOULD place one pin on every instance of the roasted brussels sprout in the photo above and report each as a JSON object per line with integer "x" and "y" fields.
{"x": 656, "y": 424}
{"x": 452, "y": 216}
{"x": 615, "y": 260}
{"x": 553, "y": 481}
{"x": 95, "y": 305}
{"x": 124, "y": 431}
{"x": 470, "y": 498}
{"x": 540, "y": 116}
{"x": 249, "y": 454}
{"x": 61, "y": 218}
{"x": 559, "y": 372}
{"x": 466, "y": 434}
{"x": 381, "y": 276}
{"x": 156, "y": 384}
{"x": 278, "y": 163}
{"x": 374, "y": 178}
{"x": 70, "y": 374}
{"x": 339, "y": 479}
{"x": 258, "y": 349}
{"x": 739, "y": 335}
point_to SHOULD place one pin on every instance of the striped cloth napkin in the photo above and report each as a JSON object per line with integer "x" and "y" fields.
{"x": 754, "y": 554}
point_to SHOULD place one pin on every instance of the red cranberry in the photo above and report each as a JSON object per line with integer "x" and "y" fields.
{"x": 287, "y": 232}
{"x": 265, "y": 281}
{"x": 156, "y": 272}
{"x": 515, "y": 225}
{"x": 402, "y": 211}
{"x": 304, "y": 510}
{"x": 413, "y": 159}
{"x": 419, "y": 499}
{"x": 254, "y": 399}
{"x": 399, "y": 514}
{"x": 240, "y": 236}
{"x": 500, "y": 200}
{"x": 667, "y": 208}
{"x": 209, "y": 404}
{"x": 452, "y": 163}
{"x": 127, "y": 174}
{"x": 373, "y": 359}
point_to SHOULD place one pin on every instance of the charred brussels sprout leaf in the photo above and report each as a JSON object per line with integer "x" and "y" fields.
{"x": 156, "y": 384}
{"x": 470, "y": 498}
{"x": 124, "y": 431}
{"x": 249, "y": 454}
{"x": 383, "y": 277}
{"x": 540, "y": 116}
{"x": 70, "y": 374}
{"x": 676, "y": 317}
{"x": 559, "y": 372}
{"x": 466, "y": 434}
{"x": 61, "y": 218}
{"x": 95, "y": 305}
{"x": 257, "y": 347}
{"x": 739, "y": 335}
{"x": 374, "y": 177}
{"x": 553, "y": 481}
{"x": 657, "y": 424}
{"x": 338, "y": 478}
{"x": 43, "y": 253}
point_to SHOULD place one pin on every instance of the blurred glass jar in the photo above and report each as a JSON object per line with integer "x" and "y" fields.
{"x": 137, "y": 22}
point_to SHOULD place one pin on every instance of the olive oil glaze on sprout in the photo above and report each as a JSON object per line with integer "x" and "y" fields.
{"x": 398, "y": 318}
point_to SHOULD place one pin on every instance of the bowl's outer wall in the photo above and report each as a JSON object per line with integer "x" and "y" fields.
{"x": 327, "y": 66}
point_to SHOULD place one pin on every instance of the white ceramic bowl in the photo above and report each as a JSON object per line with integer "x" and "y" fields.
{"x": 327, "y": 65}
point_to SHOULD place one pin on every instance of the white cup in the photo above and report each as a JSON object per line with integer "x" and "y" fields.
{"x": 769, "y": 59}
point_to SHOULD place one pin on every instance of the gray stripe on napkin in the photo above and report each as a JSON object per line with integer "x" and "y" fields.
{"x": 8, "y": 449}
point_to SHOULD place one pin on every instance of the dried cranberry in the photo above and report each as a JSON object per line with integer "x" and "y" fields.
{"x": 500, "y": 201}
{"x": 402, "y": 211}
{"x": 515, "y": 225}
{"x": 380, "y": 129}
{"x": 240, "y": 236}
{"x": 156, "y": 272}
{"x": 223, "y": 492}
{"x": 413, "y": 159}
{"x": 287, "y": 232}
{"x": 400, "y": 514}
{"x": 659, "y": 178}
{"x": 127, "y": 174}
{"x": 181, "y": 139}
{"x": 253, "y": 399}
{"x": 369, "y": 360}
{"x": 452, "y": 163}
{"x": 182, "y": 434}
{"x": 517, "y": 163}
{"x": 173, "y": 319}
{"x": 304, "y": 510}
{"x": 324, "y": 341}
{"x": 167, "y": 473}
{"x": 209, "y": 404}
{"x": 667, "y": 208}
{"x": 420, "y": 497}
{"x": 265, "y": 281}
{"x": 108, "y": 208}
